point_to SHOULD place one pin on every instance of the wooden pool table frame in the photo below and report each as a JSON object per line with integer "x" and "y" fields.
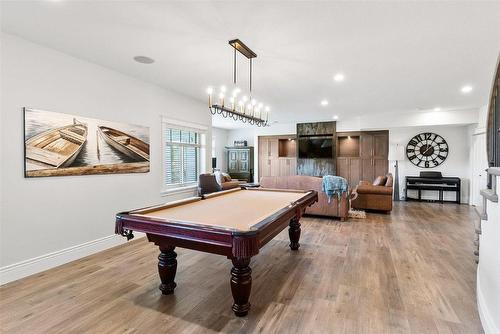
{"x": 238, "y": 246}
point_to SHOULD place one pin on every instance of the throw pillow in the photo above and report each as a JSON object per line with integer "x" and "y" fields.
{"x": 226, "y": 176}
{"x": 218, "y": 177}
{"x": 380, "y": 181}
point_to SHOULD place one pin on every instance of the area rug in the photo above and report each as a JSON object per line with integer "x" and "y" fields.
{"x": 359, "y": 214}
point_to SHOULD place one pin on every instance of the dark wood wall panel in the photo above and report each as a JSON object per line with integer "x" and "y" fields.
{"x": 317, "y": 167}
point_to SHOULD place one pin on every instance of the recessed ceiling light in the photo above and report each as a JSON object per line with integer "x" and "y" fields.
{"x": 335, "y": 117}
{"x": 437, "y": 109}
{"x": 144, "y": 60}
{"x": 466, "y": 89}
{"x": 324, "y": 103}
{"x": 339, "y": 77}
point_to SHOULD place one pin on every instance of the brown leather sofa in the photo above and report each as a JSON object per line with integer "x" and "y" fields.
{"x": 336, "y": 208}
{"x": 374, "y": 196}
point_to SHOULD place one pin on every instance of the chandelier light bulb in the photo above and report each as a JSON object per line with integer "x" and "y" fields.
{"x": 223, "y": 89}
{"x": 261, "y": 105}
{"x": 254, "y": 102}
{"x": 221, "y": 99}
{"x": 231, "y": 99}
{"x": 267, "y": 109}
{"x": 241, "y": 103}
{"x": 236, "y": 91}
{"x": 245, "y": 98}
{"x": 210, "y": 90}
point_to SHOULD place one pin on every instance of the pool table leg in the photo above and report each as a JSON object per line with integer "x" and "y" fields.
{"x": 241, "y": 284}
{"x": 167, "y": 267}
{"x": 294, "y": 233}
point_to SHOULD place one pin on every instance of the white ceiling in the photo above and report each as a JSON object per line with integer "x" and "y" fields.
{"x": 397, "y": 57}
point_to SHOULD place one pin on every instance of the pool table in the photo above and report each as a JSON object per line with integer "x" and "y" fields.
{"x": 235, "y": 223}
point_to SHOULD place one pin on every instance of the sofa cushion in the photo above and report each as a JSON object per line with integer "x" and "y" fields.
{"x": 231, "y": 184}
{"x": 380, "y": 181}
{"x": 371, "y": 189}
{"x": 389, "y": 181}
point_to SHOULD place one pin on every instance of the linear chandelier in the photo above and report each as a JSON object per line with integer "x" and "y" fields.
{"x": 241, "y": 107}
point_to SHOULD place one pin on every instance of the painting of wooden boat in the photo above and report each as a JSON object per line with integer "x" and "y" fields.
{"x": 59, "y": 144}
{"x": 129, "y": 145}
{"x": 56, "y": 148}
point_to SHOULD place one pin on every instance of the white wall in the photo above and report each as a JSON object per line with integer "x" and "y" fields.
{"x": 488, "y": 273}
{"x": 413, "y": 119}
{"x": 456, "y": 164}
{"x": 45, "y": 215}
{"x": 219, "y": 139}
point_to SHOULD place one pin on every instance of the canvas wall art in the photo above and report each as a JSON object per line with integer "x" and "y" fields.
{"x": 57, "y": 144}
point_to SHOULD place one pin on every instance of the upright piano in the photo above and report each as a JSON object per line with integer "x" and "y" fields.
{"x": 432, "y": 181}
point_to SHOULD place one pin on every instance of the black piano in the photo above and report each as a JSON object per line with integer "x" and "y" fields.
{"x": 432, "y": 181}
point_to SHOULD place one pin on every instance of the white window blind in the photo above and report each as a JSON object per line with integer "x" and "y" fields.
{"x": 181, "y": 156}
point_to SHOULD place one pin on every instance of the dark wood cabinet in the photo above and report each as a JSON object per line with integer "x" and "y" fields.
{"x": 350, "y": 169}
{"x": 362, "y": 155}
{"x": 381, "y": 145}
{"x": 374, "y": 150}
{"x": 367, "y": 169}
{"x": 240, "y": 162}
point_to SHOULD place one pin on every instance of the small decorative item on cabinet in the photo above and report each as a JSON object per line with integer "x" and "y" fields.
{"x": 240, "y": 143}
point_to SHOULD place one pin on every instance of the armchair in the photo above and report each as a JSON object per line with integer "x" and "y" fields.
{"x": 209, "y": 183}
{"x": 374, "y": 196}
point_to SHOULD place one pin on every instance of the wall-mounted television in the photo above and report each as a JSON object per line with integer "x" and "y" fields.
{"x": 316, "y": 147}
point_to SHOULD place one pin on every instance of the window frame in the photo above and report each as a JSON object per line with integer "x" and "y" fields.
{"x": 202, "y": 131}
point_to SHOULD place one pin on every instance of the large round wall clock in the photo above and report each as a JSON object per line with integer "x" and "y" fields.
{"x": 427, "y": 150}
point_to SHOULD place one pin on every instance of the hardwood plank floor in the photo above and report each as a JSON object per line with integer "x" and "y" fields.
{"x": 409, "y": 272}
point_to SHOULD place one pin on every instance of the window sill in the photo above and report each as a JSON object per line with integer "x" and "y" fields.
{"x": 179, "y": 190}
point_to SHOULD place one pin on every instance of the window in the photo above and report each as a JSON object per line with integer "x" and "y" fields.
{"x": 182, "y": 155}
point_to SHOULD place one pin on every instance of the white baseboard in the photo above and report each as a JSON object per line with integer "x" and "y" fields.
{"x": 487, "y": 321}
{"x": 41, "y": 263}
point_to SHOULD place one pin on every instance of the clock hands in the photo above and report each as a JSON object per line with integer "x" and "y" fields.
{"x": 428, "y": 148}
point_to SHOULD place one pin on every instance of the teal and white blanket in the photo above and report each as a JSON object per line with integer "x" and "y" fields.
{"x": 334, "y": 185}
